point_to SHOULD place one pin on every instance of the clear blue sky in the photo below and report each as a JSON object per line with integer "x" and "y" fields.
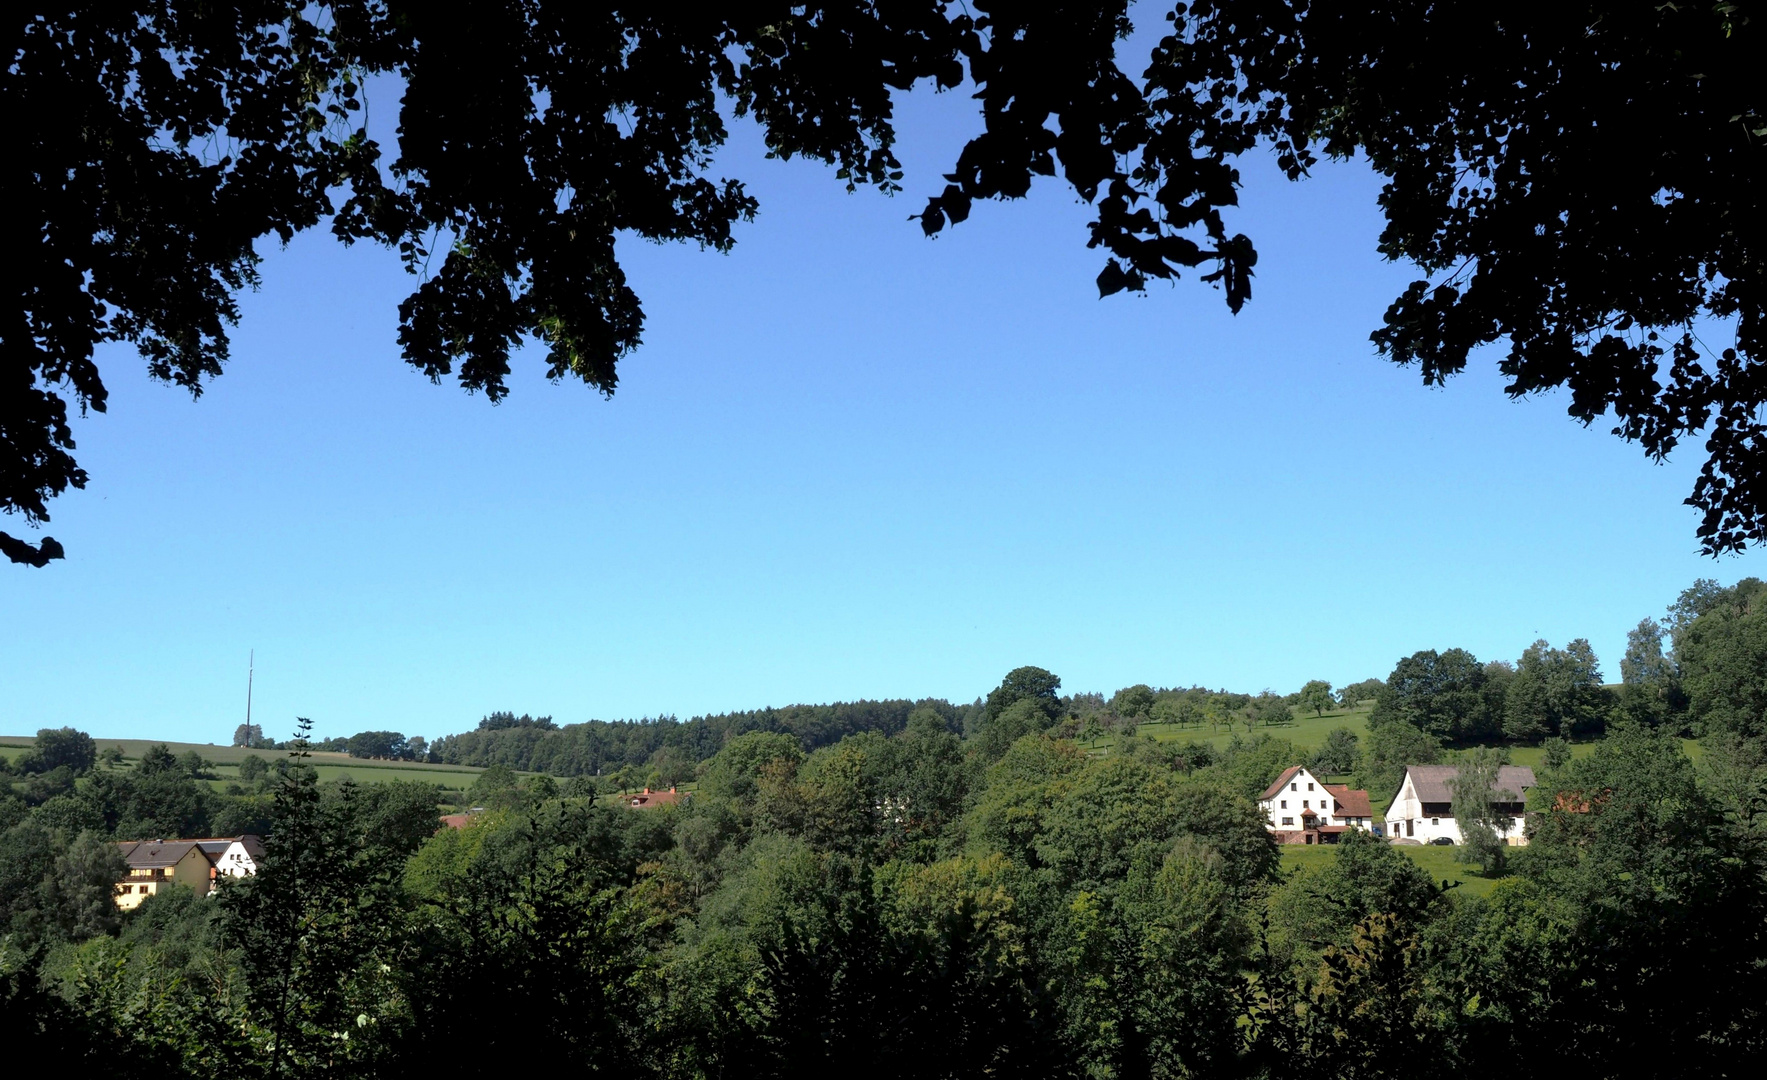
{"x": 848, "y": 462}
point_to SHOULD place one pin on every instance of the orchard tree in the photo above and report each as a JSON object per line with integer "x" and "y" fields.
{"x": 155, "y": 150}
{"x": 1316, "y": 695}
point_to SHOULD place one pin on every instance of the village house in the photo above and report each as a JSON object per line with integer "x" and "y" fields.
{"x": 233, "y": 856}
{"x": 154, "y": 864}
{"x": 1423, "y": 809}
{"x": 1300, "y": 808}
{"x": 648, "y": 798}
{"x": 195, "y": 864}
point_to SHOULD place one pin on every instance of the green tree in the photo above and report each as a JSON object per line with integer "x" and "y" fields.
{"x": 145, "y": 238}
{"x": 1316, "y": 695}
{"x": 1558, "y": 754}
{"x": 1475, "y": 798}
{"x": 1338, "y": 754}
{"x": 157, "y": 759}
{"x": 66, "y": 747}
{"x": 1385, "y": 753}
{"x": 1026, "y": 716}
{"x": 735, "y": 772}
{"x": 1356, "y": 693}
{"x": 1031, "y": 684}
{"x": 1438, "y": 693}
{"x": 81, "y": 889}
{"x": 377, "y": 744}
{"x": 1133, "y": 701}
{"x": 1721, "y": 652}
{"x": 1556, "y": 691}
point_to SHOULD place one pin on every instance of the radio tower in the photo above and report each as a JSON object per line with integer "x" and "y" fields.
{"x": 250, "y": 664}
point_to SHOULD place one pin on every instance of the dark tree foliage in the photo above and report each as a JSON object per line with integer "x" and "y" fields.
{"x": 377, "y": 744}
{"x": 1441, "y": 694}
{"x": 1031, "y": 684}
{"x": 59, "y": 747}
{"x": 608, "y": 745}
{"x": 153, "y": 151}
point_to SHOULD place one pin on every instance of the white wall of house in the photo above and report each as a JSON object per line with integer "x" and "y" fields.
{"x": 1304, "y": 791}
{"x": 1407, "y": 820}
{"x": 236, "y": 861}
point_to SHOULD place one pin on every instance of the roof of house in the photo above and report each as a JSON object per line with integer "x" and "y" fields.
{"x": 1352, "y": 802}
{"x": 152, "y": 854}
{"x": 653, "y": 798}
{"x": 456, "y": 821}
{"x": 214, "y": 845}
{"x": 1287, "y": 775}
{"x": 1431, "y": 782}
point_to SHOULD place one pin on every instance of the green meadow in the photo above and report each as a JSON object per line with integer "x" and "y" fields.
{"x": 330, "y": 766}
{"x": 1438, "y": 862}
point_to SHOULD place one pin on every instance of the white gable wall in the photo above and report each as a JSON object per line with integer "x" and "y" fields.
{"x": 236, "y": 861}
{"x": 1304, "y": 791}
{"x": 1406, "y": 820}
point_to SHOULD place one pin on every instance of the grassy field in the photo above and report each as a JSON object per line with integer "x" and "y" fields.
{"x": 331, "y": 766}
{"x": 1438, "y": 862}
{"x": 1305, "y": 732}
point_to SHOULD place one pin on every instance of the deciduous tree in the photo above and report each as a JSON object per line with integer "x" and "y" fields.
{"x": 154, "y": 151}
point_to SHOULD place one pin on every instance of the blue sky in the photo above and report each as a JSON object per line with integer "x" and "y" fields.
{"x": 848, "y": 462}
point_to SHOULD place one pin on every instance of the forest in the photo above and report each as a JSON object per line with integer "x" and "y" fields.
{"x": 920, "y": 890}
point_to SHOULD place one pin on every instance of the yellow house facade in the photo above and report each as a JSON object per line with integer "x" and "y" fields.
{"x": 156, "y": 864}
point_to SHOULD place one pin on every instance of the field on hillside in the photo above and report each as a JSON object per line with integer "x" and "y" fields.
{"x": 1438, "y": 862}
{"x": 1306, "y": 731}
{"x": 331, "y": 766}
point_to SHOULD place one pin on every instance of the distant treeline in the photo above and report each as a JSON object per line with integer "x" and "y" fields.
{"x": 669, "y": 746}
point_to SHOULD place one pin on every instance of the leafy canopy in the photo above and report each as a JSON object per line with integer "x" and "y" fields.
{"x": 1573, "y": 181}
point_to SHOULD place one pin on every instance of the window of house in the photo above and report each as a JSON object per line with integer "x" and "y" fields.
{"x": 1285, "y": 804}
{"x": 1435, "y": 821}
{"x": 1294, "y": 787}
{"x": 1303, "y": 804}
{"x": 1309, "y": 787}
{"x": 1288, "y": 821}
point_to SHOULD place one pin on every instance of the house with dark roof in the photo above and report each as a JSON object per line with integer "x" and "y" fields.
{"x": 1301, "y": 808}
{"x": 1423, "y": 810}
{"x": 155, "y": 864}
{"x": 196, "y": 864}
{"x": 234, "y": 856}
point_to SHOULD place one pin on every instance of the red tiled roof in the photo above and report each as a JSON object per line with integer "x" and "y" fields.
{"x": 648, "y": 798}
{"x": 1287, "y": 775}
{"x": 1352, "y": 802}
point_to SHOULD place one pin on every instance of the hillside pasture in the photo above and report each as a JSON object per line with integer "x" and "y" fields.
{"x": 330, "y": 766}
{"x": 1437, "y": 862}
{"x": 1306, "y": 731}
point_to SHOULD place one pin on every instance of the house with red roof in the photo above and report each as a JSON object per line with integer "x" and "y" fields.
{"x": 1301, "y": 808}
{"x": 647, "y": 799}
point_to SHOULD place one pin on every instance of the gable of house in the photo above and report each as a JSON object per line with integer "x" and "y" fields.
{"x": 1432, "y": 787}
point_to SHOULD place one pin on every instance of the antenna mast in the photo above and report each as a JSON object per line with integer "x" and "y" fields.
{"x": 250, "y": 665}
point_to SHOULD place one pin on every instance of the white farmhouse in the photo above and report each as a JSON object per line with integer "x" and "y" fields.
{"x": 1422, "y": 810}
{"x": 233, "y": 856}
{"x": 1300, "y": 808}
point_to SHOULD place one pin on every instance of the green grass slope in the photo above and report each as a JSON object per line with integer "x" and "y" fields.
{"x": 1437, "y": 862}
{"x": 331, "y": 766}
